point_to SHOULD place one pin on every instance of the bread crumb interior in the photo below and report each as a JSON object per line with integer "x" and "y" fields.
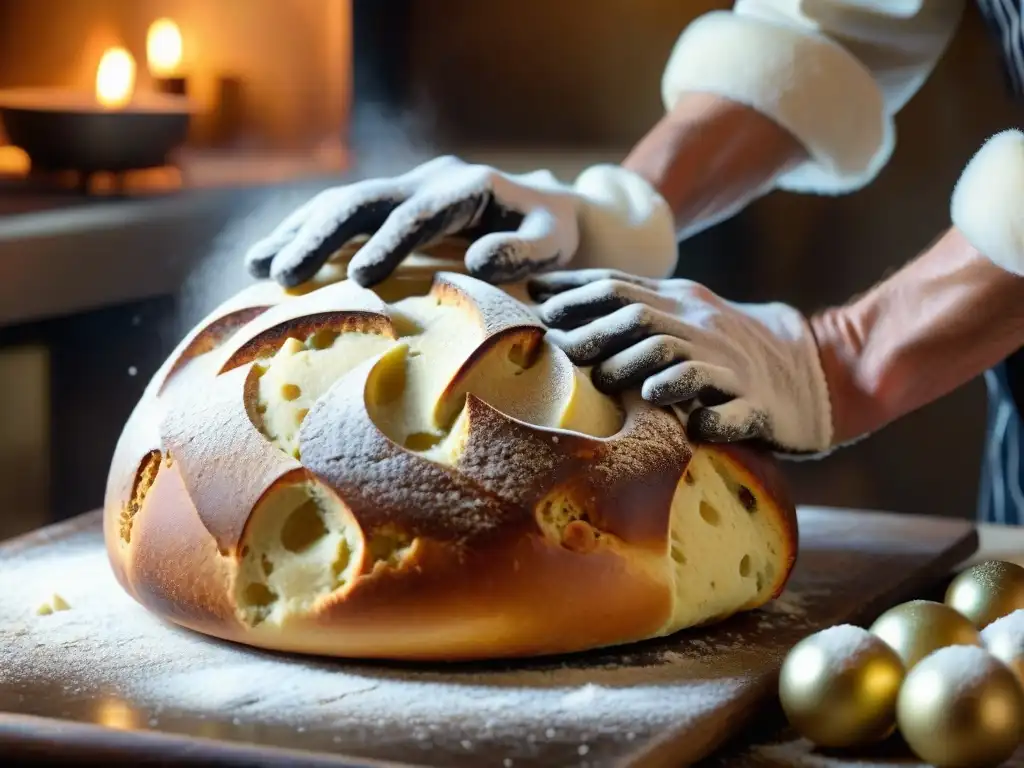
{"x": 300, "y": 545}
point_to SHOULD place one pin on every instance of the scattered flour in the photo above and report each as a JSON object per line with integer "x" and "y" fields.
{"x": 111, "y": 647}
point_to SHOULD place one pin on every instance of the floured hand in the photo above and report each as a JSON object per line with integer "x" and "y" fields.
{"x": 518, "y": 225}
{"x": 734, "y": 371}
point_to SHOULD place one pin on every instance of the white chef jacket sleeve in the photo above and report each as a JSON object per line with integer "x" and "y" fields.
{"x": 832, "y": 72}
{"x": 986, "y": 204}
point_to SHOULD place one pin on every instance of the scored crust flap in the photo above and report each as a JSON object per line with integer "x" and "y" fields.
{"x": 568, "y": 478}
{"x": 174, "y": 566}
{"x": 339, "y": 308}
{"x": 384, "y": 484}
{"x": 224, "y": 460}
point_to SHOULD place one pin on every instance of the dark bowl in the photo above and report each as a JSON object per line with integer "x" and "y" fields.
{"x": 62, "y": 131}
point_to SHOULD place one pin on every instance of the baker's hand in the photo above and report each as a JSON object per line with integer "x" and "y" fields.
{"x": 733, "y": 371}
{"x": 518, "y": 225}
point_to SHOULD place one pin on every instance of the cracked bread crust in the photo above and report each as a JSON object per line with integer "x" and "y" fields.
{"x": 425, "y": 478}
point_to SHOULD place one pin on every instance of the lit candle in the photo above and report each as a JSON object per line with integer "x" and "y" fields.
{"x": 115, "y": 78}
{"x": 163, "y": 55}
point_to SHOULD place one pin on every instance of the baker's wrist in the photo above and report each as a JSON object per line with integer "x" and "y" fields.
{"x": 856, "y": 408}
{"x": 710, "y": 157}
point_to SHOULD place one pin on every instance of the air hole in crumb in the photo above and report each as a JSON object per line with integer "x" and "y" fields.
{"x": 386, "y": 545}
{"x": 390, "y": 382}
{"x": 745, "y": 566}
{"x": 341, "y": 562}
{"x": 689, "y": 478}
{"x": 259, "y": 595}
{"x": 149, "y": 467}
{"x": 760, "y": 582}
{"x": 291, "y": 391}
{"x": 268, "y": 567}
{"x": 244, "y": 552}
{"x": 678, "y": 556}
{"x": 303, "y": 528}
{"x": 405, "y": 325}
{"x": 769, "y": 572}
{"x": 747, "y": 499}
{"x": 322, "y": 339}
{"x": 712, "y": 585}
{"x": 421, "y": 441}
{"x": 519, "y": 356}
{"x": 709, "y": 513}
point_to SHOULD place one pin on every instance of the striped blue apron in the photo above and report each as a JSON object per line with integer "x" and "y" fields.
{"x": 1001, "y": 493}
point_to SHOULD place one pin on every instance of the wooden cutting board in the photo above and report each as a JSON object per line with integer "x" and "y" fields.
{"x": 157, "y": 689}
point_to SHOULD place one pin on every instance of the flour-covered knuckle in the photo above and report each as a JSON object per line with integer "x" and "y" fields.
{"x": 327, "y": 229}
{"x": 420, "y": 221}
{"x": 260, "y": 257}
{"x": 575, "y": 307}
{"x": 689, "y": 380}
{"x": 632, "y": 366}
{"x": 613, "y": 333}
{"x": 426, "y": 477}
{"x": 735, "y": 421}
{"x": 503, "y": 257}
{"x": 542, "y": 288}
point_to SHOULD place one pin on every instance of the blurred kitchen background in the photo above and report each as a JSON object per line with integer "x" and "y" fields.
{"x": 100, "y": 275}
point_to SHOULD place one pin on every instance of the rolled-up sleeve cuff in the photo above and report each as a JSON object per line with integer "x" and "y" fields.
{"x": 987, "y": 204}
{"x": 805, "y": 82}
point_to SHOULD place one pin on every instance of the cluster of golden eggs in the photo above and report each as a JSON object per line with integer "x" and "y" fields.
{"x": 949, "y": 676}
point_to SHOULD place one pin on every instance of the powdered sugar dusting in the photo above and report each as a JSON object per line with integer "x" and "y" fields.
{"x": 496, "y": 308}
{"x": 845, "y": 644}
{"x": 963, "y": 666}
{"x": 1009, "y": 630}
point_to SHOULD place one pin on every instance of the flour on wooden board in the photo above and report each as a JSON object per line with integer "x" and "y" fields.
{"x": 107, "y": 644}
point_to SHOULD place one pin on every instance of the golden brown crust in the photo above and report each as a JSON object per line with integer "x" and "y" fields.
{"x": 526, "y": 540}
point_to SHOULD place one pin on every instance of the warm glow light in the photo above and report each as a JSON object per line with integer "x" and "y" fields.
{"x": 163, "y": 47}
{"x": 115, "y": 78}
{"x": 14, "y": 160}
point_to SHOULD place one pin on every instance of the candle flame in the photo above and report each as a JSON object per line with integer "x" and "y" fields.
{"x": 115, "y": 78}
{"x": 163, "y": 47}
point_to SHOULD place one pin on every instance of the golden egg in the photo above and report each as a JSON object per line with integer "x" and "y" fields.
{"x": 838, "y": 687}
{"x": 987, "y": 591}
{"x": 960, "y": 707}
{"x": 919, "y": 627}
{"x": 1004, "y": 639}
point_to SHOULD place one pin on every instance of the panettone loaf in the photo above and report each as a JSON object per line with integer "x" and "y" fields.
{"x": 414, "y": 472}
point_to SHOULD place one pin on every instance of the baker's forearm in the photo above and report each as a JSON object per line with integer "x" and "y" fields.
{"x": 940, "y": 321}
{"x": 709, "y": 155}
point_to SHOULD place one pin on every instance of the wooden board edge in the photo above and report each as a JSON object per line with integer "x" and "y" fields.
{"x": 664, "y": 752}
{"x": 27, "y": 737}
